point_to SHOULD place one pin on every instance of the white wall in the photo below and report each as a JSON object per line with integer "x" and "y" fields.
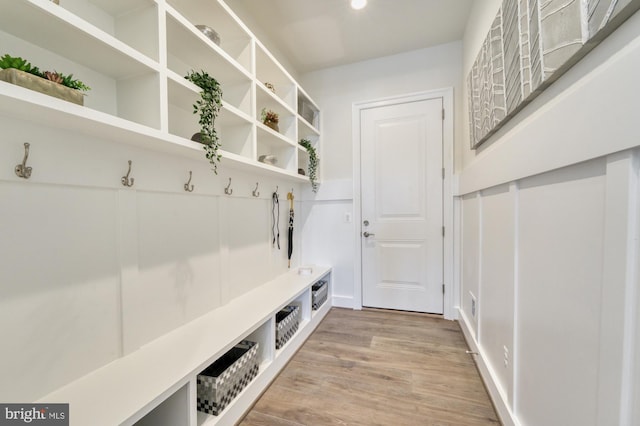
{"x": 549, "y": 231}
{"x": 336, "y": 90}
{"x": 90, "y": 270}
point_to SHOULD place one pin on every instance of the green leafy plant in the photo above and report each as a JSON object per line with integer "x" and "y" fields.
{"x": 21, "y": 64}
{"x": 313, "y": 163}
{"x": 69, "y": 81}
{"x": 208, "y": 106}
{"x": 18, "y": 63}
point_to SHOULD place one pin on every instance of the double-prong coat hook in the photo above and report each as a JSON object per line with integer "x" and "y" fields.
{"x": 21, "y": 169}
{"x": 187, "y": 186}
{"x": 255, "y": 192}
{"x": 126, "y": 181}
{"x": 290, "y": 197}
{"x": 228, "y": 189}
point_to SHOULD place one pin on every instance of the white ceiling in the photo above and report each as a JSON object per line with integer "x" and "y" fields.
{"x": 316, "y": 34}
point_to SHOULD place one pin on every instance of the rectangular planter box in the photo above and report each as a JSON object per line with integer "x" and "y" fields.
{"x": 287, "y": 322}
{"x": 319, "y": 293}
{"x": 42, "y": 85}
{"x": 223, "y": 380}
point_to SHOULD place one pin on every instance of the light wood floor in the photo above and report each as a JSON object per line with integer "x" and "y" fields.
{"x": 378, "y": 368}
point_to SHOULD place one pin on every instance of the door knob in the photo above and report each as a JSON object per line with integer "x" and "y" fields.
{"x": 367, "y": 234}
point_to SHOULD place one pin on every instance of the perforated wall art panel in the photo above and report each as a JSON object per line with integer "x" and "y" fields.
{"x": 529, "y": 45}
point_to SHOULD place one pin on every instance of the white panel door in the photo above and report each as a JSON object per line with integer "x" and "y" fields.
{"x": 402, "y": 242}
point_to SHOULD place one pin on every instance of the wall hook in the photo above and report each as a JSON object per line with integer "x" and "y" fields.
{"x": 126, "y": 181}
{"x": 21, "y": 169}
{"x": 187, "y": 187}
{"x": 290, "y": 197}
{"x": 228, "y": 189}
{"x": 255, "y": 192}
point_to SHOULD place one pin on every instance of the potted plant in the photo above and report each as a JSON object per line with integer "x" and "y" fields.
{"x": 18, "y": 71}
{"x": 208, "y": 106}
{"x": 270, "y": 119}
{"x": 313, "y": 163}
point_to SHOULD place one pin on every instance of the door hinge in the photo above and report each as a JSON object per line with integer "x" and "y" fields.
{"x": 442, "y": 288}
{"x": 443, "y": 173}
{"x": 443, "y": 231}
{"x": 442, "y": 113}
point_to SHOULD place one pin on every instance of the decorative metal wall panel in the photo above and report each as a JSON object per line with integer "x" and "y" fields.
{"x": 601, "y": 12}
{"x": 512, "y": 61}
{"x": 496, "y": 92}
{"x": 535, "y": 45}
{"x": 525, "y": 49}
{"x": 561, "y": 22}
{"x": 529, "y": 45}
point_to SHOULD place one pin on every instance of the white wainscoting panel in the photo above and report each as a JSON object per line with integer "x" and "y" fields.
{"x": 178, "y": 263}
{"x": 329, "y": 240}
{"x": 59, "y": 280}
{"x": 498, "y": 284}
{"x": 560, "y": 252}
{"x": 634, "y": 398}
{"x": 470, "y": 285}
{"x": 247, "y": 232}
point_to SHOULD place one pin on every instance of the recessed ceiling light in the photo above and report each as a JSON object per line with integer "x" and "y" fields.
{"x": 358, "y": 4}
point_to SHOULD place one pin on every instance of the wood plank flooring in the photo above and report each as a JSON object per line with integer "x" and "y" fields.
{"x": 378, "y": 368}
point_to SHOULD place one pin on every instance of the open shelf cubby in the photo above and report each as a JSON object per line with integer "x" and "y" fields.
{"x": 235, "y": 39}
{"x": 270, "y": 71}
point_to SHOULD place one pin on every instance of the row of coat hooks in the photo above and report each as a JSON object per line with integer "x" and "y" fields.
{"x": 24, "y": 171}
{"x": 189, "y": 187}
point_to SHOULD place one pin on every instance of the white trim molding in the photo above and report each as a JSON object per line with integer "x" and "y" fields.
{"x": 497, "y": 395}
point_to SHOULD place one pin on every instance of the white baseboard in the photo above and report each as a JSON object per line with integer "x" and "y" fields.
{"x": 343, "y": 302}
{"x": 500, "y": 402}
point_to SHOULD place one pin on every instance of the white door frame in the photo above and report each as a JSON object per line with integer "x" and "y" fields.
{"x": 447, "y": 162}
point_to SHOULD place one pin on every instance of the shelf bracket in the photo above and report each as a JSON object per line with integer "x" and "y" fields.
{"x": 21, "y": 169}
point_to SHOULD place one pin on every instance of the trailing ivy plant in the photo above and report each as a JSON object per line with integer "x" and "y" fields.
{"x": 208, "y": 106}
{"x": 313, "y": 163}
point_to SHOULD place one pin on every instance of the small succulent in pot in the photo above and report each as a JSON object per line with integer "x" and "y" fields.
{"x": 270, "y": 119}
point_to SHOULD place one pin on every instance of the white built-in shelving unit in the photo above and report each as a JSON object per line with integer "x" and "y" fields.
{"x": 156, "y": 385}
{"x": 135, "y": 54}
